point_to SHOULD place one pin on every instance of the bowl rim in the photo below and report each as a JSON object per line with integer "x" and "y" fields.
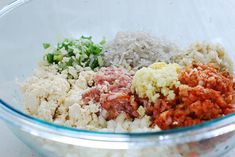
{"x": 48, "y": 130}
{"x": 109, "y": 140}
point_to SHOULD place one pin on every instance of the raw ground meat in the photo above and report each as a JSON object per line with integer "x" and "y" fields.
{"x": 112, "y": 91}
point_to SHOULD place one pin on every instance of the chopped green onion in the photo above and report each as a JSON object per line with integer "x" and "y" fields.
{"x": 83, "y": 52}
{"x": 50, "y": 58}
{"x": 88, "y": 38}
{"x": 70, "y": 62}
{"x": 46, "y": 45}
{"x": 57, "y": 57}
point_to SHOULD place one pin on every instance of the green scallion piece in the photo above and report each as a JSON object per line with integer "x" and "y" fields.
{"x": 46, "y": 45}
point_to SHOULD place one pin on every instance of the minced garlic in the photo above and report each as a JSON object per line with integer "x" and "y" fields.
{"x": 158, "y": 78}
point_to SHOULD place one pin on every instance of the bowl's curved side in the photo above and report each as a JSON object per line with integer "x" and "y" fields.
{"x": 106, "y": 140}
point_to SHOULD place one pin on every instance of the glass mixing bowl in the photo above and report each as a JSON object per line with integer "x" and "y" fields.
{"x": 26, "y": 24}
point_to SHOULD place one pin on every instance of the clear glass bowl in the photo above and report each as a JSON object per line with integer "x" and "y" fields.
{"x": 25, "y": 24}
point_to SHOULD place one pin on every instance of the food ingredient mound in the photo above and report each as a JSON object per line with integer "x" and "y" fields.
{"x": 112, "y": 91}
{"x": 205, "y": 93}
{"x": 204, "y": 53}
{"x": 157, "y": 79}
{"x": 82, "y": 52}
{"x": 138, "y": 49}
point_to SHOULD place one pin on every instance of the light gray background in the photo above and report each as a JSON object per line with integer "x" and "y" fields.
{"x": 10, "y": 146}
